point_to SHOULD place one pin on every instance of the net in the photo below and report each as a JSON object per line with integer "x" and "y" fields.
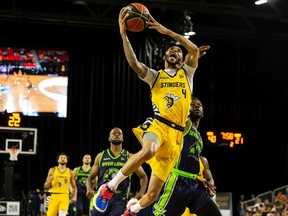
{"x": 13, "y": 153}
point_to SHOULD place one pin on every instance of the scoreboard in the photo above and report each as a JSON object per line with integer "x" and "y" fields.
{"x": 224, "y": 138}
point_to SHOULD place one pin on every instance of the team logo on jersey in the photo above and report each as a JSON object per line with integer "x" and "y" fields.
{"x": 195, "y": 148}
{"x": 146, "y": 124}
{"x": 60, "y": 183}
{"x": 110, "y": 173}
{"x": 170, "y": 99}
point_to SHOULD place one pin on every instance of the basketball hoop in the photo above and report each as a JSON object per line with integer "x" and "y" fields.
{"x": 13, "y": 153}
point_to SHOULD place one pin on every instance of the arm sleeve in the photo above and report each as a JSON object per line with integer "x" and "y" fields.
{"x": 150, "y": 77}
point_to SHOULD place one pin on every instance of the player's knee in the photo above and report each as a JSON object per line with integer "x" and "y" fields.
{"x": 147, "y": 153}
{"x": 149, "y": 149}
{"x": 62, "y": 213}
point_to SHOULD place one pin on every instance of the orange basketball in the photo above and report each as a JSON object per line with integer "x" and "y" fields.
{"x": 138, "y": 15}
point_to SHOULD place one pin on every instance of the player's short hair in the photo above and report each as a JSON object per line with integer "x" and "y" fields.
{"x": 62, "y": 153}
{"x": 196, "y": 98}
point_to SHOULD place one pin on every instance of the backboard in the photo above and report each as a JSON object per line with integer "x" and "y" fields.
{"x": 24, "y": 139}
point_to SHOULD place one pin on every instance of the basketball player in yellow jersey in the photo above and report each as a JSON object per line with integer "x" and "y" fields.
{"x": 161, "y": 136}
{"x": 59, "y": 179}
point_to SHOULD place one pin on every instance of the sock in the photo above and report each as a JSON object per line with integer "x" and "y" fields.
{"x": 136, "y": 207}
{"x": 118, "y": 178}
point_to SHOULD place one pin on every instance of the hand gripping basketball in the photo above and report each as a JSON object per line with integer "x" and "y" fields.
{"x": 138, "y": 15}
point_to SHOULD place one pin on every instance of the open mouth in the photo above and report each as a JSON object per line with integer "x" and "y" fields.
{"x": 173, "y": 55}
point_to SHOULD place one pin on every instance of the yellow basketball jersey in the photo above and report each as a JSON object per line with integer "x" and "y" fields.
{"x": 200, "y": 174}
{"x": 61, "y": 181}
{"x": 171, "y": 97}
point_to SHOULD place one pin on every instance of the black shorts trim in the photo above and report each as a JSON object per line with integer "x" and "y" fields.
{"x": 169, "y": 123}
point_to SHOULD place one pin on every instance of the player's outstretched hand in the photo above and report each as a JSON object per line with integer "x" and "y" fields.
{"x": 203, "y": 49}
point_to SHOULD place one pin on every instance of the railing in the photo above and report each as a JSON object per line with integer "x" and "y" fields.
{"x": 270, "y": 195}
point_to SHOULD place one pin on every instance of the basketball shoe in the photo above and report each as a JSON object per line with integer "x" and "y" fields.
{"x": 103, "y": 196}
{"x": 128, "y": 212}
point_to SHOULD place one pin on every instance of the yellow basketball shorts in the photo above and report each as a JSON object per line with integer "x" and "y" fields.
{"x": 187, "y": 213}
{"x": 58, "y": 202}
{"x": 171, "y": 141}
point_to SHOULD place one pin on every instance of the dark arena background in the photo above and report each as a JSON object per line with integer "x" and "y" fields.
{"x": 242, "y": 82}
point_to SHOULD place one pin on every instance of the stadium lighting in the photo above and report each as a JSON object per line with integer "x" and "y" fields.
{"x": 259, "y": 2}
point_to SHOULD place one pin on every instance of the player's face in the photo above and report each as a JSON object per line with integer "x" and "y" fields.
{"x": 116, "y": 136}
{"x": 196, "y": 109}
{"x": 62, "y": 159}
{"x": 87, "y": 159}
{"x": 174, "y": 55}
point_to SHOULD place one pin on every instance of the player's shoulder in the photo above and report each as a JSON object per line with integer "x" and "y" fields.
{"x": 52, "y": 169}
{"x": 188, "y": 69}
{"x": 100, "y": 154}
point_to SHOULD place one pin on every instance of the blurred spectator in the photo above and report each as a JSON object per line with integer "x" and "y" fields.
{"x": 267, "y": 207}
{"x": 240, "y": 207}
{"x": 42, "y": 196}
{"x": 254, "y": 210}
{"x": 272, "y": 211}
{"x": 280, "y": 203}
